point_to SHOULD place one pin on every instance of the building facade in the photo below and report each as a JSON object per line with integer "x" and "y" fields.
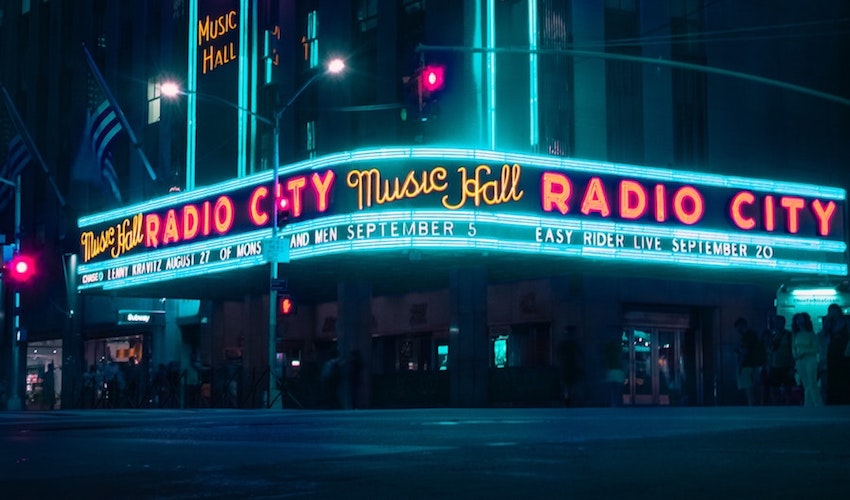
{"x": 578, "y": 203}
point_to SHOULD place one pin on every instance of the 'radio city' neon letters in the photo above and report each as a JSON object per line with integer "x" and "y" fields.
{"x": 218, "y": 216}
{"x": 688, "y": 205}
{"x": 741, "y": 209}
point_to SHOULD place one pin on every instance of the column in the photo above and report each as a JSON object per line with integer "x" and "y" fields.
{"x": 468, "y": 342}
{"x": 354, "y": 343}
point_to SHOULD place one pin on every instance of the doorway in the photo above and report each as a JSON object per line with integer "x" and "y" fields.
{"x": 655, "y": 372}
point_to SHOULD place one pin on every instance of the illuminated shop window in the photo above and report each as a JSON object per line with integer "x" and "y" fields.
{"x": 500, "y": 351}
{"x": 311, "y": 40}
{"x": 443, "y": 357}
{"x": 154, "y": 102}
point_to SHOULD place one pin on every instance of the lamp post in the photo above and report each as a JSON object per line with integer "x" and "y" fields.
{"x": 335, "y": 66}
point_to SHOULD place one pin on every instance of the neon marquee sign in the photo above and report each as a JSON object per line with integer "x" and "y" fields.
{"x": 387, "y": 198}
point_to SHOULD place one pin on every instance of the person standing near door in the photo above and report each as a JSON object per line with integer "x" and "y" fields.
{"x": 805, "y": 349}
{"x": 751, "y": 356}
{"x": 780, "y": 362}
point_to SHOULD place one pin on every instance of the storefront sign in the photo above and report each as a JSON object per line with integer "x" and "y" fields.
{"x": 436, "y": 198}
{"x": 134, "y": 317}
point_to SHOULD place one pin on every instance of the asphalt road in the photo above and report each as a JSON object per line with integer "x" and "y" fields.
{"x": 753, "y": 453}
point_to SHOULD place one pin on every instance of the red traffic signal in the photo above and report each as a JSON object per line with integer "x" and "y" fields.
{"x": 282, "y": 206}
{"x": 20, "y": 269}
{"x": 433, "y": 78}
{"x": 286, "y": 305}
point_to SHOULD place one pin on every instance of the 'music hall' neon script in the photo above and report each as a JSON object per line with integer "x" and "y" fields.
{"x": 545, "y": 205}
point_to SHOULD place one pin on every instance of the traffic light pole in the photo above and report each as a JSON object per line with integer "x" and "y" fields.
{"x": 274, "y": 377}
{"x": 15, "y": 401}
{"x": 274, "y": 392}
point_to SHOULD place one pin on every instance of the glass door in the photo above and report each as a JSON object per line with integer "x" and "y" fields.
{"x": 655, "y": 369}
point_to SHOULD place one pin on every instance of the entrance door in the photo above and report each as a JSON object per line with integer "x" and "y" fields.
{"x": 656, "y": 366}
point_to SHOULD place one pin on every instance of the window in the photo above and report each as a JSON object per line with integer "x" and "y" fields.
{"x": 411, "y": 6}
{"x": 311, "y": 139}
{"x": 367, "y": 14}
{"x": 626, "y": 5}
{"x": 311, "y": 40}
{"x": 154, "y": 102}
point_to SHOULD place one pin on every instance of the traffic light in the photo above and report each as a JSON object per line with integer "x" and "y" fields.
{"x": 286, "y": 306}
{"x": 282, "y": 206}
{"x": 433, "y": 78}
{"x": 20, "y": 269}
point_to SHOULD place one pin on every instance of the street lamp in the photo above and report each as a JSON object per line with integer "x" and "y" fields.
{"x": 171, "y": 89}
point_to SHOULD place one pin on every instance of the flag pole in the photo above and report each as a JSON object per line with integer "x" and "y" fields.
{"x": 25, "y": 135}
{"x": 112, "y": 101}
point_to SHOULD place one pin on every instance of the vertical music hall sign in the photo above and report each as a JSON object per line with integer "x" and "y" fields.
{"x": 219, "y": 38}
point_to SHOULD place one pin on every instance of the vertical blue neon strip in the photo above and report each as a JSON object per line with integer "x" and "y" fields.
{"x": 255, "y": 57}
{"x": 491, "y": 71}
{"x": 192, "y": 96}
{"x": 532, "y": 74}
{"x": 242, "y": 90}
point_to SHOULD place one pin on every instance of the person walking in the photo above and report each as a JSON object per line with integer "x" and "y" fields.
{"x": 805, "y": 350}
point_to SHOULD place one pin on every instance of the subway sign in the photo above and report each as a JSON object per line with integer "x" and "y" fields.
{"x": 435, "y": 198}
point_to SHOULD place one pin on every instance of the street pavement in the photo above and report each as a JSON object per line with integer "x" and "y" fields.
{"x": 712, "y": 452}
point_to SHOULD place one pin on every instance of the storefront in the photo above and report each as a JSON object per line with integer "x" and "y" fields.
{"x": 464, "y": 271}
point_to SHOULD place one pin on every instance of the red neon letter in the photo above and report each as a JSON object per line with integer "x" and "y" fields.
{"x": 631, "y": 190}
{"x": 205, "y": 229}
{"x": 681, "y": 211}
{"x": 595, "y": 199}
{"x": 769, "y": 215}
{"x": 223, "y": 214}
{"x": 738, "y": 217}
{"x": 823, "y": 214}
{"x": 660, "y": 203}
{"x": 258, "y": 216}
{"x": 323, "y": 187}
{"x": 792, "y": 206}
{"x": 152, "y": 230}
{"x": 170, "y": 234}
{"x": 191, "y": 222}
{"x": 555, "y": 192}
{"x": 295, "y": 186}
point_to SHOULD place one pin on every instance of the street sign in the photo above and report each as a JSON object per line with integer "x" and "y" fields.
{"x": 279, "y": 285}
{"x": 276, "y": 250}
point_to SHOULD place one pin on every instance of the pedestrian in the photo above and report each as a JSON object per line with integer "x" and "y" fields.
{"x": 160, "y": 386}
{"x": 780, "y": 362}
{"x": 570, "y": 364}
{"x": 836, "y": 327}
{"x": 615, "y": 376}
{"x": 750, "y": 361}
{"x": 331, "y": 379}
{"x": 805, "y": 350}
{"x": 355, "y": 369}
{"x": 48, "y": 388}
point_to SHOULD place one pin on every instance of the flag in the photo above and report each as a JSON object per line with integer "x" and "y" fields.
{"x": 17, "y": 157}
{"x": 93, "y": 163}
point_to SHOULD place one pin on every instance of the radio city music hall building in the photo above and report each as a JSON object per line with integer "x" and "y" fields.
{"x": 542, "y": 223}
